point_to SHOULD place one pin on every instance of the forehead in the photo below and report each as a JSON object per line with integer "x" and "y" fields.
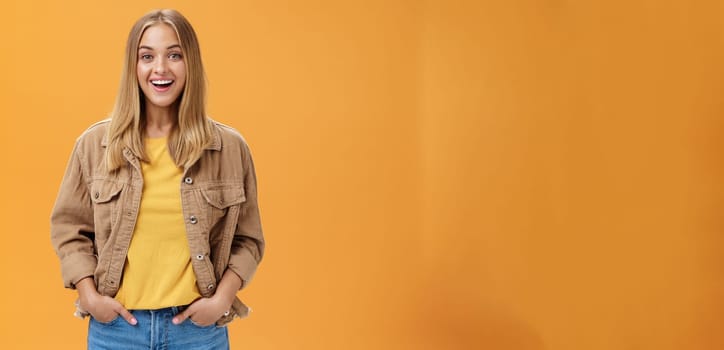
{"x": 159, "y": 36}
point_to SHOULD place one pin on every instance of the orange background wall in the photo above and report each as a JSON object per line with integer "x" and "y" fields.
{"x": 433, "y": 174}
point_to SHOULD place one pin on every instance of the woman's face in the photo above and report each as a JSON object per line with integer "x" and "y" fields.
{"x": 161, "y": 69}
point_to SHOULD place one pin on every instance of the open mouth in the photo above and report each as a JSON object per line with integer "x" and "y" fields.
{"x": 161, "y": 84}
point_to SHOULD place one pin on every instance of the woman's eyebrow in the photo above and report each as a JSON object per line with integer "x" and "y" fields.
{"x": 174, "y": 46}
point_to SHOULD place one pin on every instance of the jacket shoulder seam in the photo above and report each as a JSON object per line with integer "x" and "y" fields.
{"x": 228, "y": 130}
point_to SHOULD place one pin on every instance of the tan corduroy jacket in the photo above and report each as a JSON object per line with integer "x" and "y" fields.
{"x": 95, "y": 213}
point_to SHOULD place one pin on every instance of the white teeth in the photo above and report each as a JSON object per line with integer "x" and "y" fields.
{"x": 161, "y": 81}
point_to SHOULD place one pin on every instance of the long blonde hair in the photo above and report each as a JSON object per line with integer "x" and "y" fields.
{"x": 193, "y": 131}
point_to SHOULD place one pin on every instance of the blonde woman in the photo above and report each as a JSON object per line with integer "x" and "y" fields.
{"x": 156, "y": 222}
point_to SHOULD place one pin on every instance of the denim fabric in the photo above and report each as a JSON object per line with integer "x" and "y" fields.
{"x": 154, "y": 331}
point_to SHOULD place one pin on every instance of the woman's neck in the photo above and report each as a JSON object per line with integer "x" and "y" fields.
{"x": 160, "y": 121}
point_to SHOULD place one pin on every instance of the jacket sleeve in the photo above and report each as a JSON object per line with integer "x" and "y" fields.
{"x": 71, "y": 224}
{"x": 247, "y": 248}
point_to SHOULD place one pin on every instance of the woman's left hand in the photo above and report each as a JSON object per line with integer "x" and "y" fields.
{"x": 203, "y": 312}
{"x": 206, "y": 311}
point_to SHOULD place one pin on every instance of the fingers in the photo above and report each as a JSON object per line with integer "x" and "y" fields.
{"x": 182, "y": 316}
{"x": 126, "y": 315}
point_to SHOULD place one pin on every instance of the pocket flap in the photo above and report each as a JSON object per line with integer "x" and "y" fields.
{"x": 104, "y": 191}
{"x": 223, "y": 197}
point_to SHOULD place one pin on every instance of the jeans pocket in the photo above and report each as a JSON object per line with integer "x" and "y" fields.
{"x": 191, "y": 322}
{"x": 109, "y": 323}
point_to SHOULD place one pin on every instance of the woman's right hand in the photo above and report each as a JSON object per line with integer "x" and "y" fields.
{"x": 102, "y": 307}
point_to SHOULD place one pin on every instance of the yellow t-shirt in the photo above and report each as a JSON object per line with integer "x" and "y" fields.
{"x": 158, "y": 270}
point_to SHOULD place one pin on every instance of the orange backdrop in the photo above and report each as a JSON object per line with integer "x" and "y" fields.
{"x": 432, "y": 174}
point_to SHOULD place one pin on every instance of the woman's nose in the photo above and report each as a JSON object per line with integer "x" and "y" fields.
{"x": 160, "y": 67}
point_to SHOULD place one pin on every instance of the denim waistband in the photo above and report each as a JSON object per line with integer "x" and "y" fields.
{"x": 173, "y": 310}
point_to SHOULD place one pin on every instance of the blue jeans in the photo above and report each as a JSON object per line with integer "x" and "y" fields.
{"x": 154, "y": 331}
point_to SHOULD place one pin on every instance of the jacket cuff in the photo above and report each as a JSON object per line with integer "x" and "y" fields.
{"x": 77, "y": 266}
{"x": 243, "y": 264}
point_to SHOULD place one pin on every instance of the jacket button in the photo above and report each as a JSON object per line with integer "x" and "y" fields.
{"x": 97, "y": 195}
{"x": 210, "y": 286}
{"x": 192, "y": 219}
{"x": 188, "y": 180}
{"x": 200, "y": 257}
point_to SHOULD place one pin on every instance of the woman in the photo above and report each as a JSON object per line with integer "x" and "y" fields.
{"x": 156, "y": 223}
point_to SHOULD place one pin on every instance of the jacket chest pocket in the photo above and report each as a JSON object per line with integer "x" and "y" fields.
{"x": 219, "y": 199}
{"x": 105, "y": 196}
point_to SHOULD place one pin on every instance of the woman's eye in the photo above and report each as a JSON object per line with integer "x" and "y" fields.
{"x": 146, "y": 57}
{"x": 175, "y": 56}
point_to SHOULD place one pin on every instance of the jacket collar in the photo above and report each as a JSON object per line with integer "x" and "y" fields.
{"x": 215, "y": 144}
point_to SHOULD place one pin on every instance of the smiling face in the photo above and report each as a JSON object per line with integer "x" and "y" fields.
{"x": 161, "y": 68}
